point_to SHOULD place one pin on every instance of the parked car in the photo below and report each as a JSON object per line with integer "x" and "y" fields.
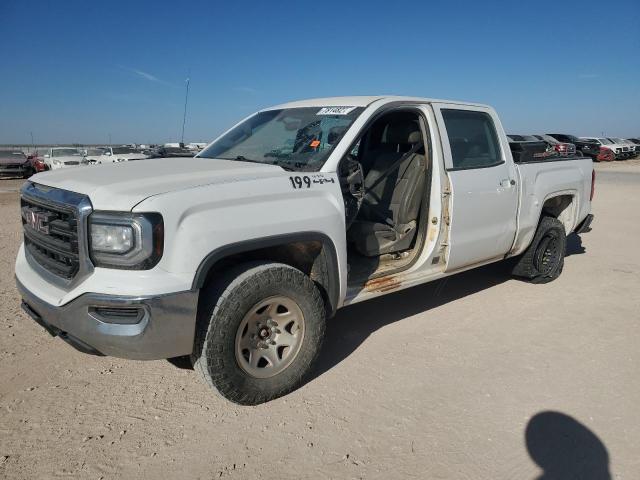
{"x": 626, "y": 143}
{"x": 63, "y": 157}
{"x": 636, "y": 143}
{"x": 583, "y": 147}
{"x": 37, "y": 162}
{"x": 93, "y": 154}
{"x": 527, "y": 148}
{"x": 564, "y": 149}
{"x": 14, "y": 163}
{"x": 621, "y": 151}
{"x": 237, "y": 256}
{"x": 170, "y": 152}
{"x": 606, "y": 155}
{"x": 117, "y": 155}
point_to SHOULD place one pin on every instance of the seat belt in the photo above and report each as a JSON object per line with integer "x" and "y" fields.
{"x": 393, "y": 166}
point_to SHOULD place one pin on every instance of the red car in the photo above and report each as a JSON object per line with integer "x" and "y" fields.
{"x": 14, "y": 163}
{"x": 606, "y": 155}
{"x": 37, "y": 162}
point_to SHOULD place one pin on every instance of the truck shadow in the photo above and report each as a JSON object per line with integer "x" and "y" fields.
{"x": 564, "y": 448}
{"x": 574, "y": 245}
{"x": 354, "y": 324}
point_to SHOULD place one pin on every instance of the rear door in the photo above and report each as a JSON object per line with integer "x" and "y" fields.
{"x": 484, "y": 193}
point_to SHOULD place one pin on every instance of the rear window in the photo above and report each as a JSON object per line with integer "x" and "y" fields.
{"x": 472, "y": 138}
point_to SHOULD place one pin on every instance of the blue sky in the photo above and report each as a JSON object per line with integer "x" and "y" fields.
{"x": 79, "y": 71}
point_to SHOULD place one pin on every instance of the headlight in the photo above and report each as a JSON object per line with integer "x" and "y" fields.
{"x": 126, "y": 240}
{"x": 57, "y": 162}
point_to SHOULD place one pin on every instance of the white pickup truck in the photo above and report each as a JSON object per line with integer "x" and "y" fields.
{"x": 236, "y": 257}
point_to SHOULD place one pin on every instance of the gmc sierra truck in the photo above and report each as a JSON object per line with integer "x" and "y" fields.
{"x": 238, "y": 256}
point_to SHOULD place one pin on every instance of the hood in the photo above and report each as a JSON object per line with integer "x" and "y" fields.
{"x": 121, "y": 186}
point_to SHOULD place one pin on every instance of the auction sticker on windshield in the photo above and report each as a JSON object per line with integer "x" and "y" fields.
{"x": 335, "y": 110}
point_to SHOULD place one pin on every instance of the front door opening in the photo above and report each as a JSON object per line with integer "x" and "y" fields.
{"x": 387, "y": 231}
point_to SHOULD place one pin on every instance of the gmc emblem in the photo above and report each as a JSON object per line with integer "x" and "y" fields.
{"x": 37, "y": 220}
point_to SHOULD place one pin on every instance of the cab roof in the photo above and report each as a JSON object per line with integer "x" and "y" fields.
{"x": 364, "y": 101}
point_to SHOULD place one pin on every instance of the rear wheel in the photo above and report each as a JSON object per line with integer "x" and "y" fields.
{"x": 259, "y": 332}
{"x": 543, "y": 260}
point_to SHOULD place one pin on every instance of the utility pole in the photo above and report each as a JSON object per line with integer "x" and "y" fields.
{"x": 33, "y": 144}
{"x": 109, "y": 139}
{"x": 184, "y": 116}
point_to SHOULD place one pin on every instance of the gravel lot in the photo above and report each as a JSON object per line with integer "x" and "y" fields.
{"x": 478, "y": 376}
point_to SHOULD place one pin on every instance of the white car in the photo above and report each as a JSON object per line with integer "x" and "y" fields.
{"x": 62, "y": 157}
{"x": 237, "y": 257}
{"x": 94, "y": 154}
{"x": 626, "y": 143}
{"x": 117, "y": 155}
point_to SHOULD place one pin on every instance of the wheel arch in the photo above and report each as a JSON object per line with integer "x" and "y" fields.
{"x": 561, "y": 205}
{"x": 314, "y": 253}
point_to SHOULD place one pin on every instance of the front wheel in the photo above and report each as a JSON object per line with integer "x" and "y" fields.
{"x": 543, "y": 260}
{"x": 259, "y": 332}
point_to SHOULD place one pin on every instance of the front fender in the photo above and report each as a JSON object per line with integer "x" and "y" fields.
{"x": 202, "y": 223}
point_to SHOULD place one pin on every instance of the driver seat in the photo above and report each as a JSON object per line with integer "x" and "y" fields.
{"x": 387, "y": 221}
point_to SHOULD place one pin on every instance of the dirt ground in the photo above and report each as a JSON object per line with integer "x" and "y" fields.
{"x": 477, "y": 377}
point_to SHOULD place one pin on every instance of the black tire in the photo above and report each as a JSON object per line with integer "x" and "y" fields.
{"x": 543, "y": 260}
{"x": 223, "y": 306}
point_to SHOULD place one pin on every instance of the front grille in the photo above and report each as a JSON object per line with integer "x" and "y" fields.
{"x": 51, "y": 236}
{"x": 72, "y": 162}
{"x": 11, "y": 166}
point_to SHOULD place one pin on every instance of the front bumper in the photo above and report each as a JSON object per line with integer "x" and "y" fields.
{"x": 100, "y": 324}
{"x": 13, "y": 172}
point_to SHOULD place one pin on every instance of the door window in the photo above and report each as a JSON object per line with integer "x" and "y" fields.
{"x": 472, "y": 138}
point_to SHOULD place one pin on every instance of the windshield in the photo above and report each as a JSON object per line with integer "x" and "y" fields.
{"x": 64, "y": 152}
{"x": 293, "y": 138}
{"x": 123, "y": 150}
{"x": 95, "y": 152}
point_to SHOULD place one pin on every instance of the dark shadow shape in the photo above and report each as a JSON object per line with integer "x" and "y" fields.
{"x": 565, "y": 449}
{"x": 574, "y": 245}
{"x": 352, "y": 325}
{"x": 183, "y": 363}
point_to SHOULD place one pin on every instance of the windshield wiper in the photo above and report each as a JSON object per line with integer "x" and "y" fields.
{"x": 242, "y": 158}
